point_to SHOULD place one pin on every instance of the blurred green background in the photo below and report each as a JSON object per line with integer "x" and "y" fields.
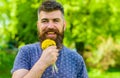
{"x": 93, "y": 29}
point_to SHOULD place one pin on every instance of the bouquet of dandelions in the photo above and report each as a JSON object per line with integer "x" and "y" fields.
{"x": 46, "y": 43}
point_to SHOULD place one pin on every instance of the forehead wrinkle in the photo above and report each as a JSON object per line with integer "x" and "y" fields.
{"x": 50, "y": 15}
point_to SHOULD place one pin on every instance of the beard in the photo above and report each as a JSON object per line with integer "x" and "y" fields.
{"x": 58, "y": 39}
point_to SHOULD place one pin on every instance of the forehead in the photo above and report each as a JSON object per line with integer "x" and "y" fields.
{"x": 50, "y": 15}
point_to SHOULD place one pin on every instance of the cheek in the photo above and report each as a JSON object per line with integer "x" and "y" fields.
{"x": 40, "y": 31}
{"x": 41, "y": 28}
{"x": 61, "y": 29}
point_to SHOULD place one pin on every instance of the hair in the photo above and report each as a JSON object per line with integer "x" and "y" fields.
{"x": 50, "y": 5}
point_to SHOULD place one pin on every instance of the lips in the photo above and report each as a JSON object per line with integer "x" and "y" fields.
{"x": 51, "y": 34}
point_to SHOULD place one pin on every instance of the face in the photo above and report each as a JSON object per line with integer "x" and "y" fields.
{"x": 51, "y": 25}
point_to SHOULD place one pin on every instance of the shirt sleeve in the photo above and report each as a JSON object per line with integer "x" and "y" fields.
{"x": 82, "y": 71}
{"x": 22, "y": 60}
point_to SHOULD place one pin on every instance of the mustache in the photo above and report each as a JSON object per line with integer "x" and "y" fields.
{"x": 50, "y": 30}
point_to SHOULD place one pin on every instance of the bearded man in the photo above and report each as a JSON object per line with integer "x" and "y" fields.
{"x": 34, "y": 62}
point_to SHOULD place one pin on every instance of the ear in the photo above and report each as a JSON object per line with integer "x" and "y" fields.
{"x": 64, "y": 25}
{"x": 37, "y": 24}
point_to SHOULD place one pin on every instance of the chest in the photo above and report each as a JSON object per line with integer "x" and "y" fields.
{"x": 67, "y": 68}
{"x": 64, "y": 71}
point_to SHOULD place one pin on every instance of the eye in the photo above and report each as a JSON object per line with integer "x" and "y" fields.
{"x": 56, "y": 20}
{"x": 44, "y": 21}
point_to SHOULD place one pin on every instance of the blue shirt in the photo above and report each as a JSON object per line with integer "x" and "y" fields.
{"x": 70, "y": 64}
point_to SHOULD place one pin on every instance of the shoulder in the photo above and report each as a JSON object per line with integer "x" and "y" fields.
{"x": 30, "y": 46}
{"x": 73, "y": 54}
{"x": 33, "y": 45}
{"x": 29, "y": 49}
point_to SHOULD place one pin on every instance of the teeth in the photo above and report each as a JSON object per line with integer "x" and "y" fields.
{"x": 50, "y": 32}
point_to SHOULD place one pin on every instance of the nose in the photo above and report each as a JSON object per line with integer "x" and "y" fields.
{"x": 50, "y": 25}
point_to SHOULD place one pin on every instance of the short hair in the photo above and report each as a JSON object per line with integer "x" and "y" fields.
{"x": 50, "y": 5}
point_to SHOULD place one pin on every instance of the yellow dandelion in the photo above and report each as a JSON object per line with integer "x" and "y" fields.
{"x": 46, "y": 43}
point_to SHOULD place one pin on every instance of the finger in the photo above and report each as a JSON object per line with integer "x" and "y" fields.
{"x": 52, "y": 46}
{"x": 57, "y": 54}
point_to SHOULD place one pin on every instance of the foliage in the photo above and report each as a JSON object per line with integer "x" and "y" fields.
{"x": 114, "y": 73}
{"x": 18, "y": 24}
{"x": 27, "y": 18}
{"x": 91, "y": 19}
{"x": 6, "y": 63}
{"x": 7, "y": 22}
{"x": 105, "y": 56}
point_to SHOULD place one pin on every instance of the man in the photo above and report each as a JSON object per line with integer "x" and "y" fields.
{"x": 33, "y": 62}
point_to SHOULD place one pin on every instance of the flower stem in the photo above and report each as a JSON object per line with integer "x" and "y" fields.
{"x": 54, "y": 68}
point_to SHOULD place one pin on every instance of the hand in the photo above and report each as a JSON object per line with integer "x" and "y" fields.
{"x": 49, "y": 55}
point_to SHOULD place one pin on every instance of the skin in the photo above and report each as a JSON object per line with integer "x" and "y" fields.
{"x": 49, "y": 56}
{"x": 51, "y": 20}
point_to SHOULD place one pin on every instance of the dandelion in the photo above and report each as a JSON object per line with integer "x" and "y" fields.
{"x": 46, "y": 43}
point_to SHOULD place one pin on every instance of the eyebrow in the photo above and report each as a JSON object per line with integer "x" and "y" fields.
{"x": 44, "y": 19}
{"x": 52, "y": 19}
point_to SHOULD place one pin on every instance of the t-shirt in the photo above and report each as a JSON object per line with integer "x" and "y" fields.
{"x": 69, "y": 63}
